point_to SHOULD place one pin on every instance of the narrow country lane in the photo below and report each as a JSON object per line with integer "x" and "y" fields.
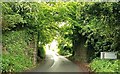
{"x": 57, "y": 63}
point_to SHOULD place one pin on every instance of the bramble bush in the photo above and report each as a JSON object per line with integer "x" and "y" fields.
{"x": 105, "y": 65}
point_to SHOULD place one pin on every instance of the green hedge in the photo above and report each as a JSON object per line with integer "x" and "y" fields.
{"x": 15, "y": 47}
{"x": 105, "y": 65}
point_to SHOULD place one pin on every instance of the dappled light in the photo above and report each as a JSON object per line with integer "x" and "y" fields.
{"x": 52, "y": 46}
{"x": 53, "y": 53}
{"x": 60, "y": 37}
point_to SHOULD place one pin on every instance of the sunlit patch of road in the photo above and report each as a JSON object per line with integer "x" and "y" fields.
{"x": 61, "y": 64}
{"x": 56, "y": 63}
{"x": 54, "y": 54}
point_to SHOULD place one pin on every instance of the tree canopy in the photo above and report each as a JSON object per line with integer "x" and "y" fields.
{"x": 67, "y": 22}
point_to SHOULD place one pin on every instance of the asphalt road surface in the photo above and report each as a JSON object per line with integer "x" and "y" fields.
{"x": 56, "y": 63}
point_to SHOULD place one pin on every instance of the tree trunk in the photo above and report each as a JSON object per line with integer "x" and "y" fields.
{"x": 80, "y": 51}
{"x": 35, "y": 53}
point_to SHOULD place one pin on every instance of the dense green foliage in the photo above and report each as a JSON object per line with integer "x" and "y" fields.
{"x": 65, "y": 42}
{"x": 95, "y": 23}
{"x": 17, "y": 55}
{"x": 103, "y": 32}
{"x": 41, "y": 52}
{"x": 105, "y": 65}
